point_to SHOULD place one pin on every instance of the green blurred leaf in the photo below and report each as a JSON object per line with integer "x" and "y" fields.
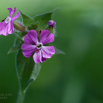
{"x": 42, "y": 19}
{"x": 17, "y": 45}
{"x": 27, "y": 70}
{"x": 57, "y": 51}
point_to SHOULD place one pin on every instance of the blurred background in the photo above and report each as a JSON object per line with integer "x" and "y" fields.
{"x": 76, "y": 76}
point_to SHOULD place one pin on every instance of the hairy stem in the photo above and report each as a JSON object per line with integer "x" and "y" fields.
{"x": 21, "y": 96}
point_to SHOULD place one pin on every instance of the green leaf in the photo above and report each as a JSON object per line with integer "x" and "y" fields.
{"x": 28, "y": 21}
{"x": 17, "y": 45}
{"x": 33, "y": 26}
{"x": 57, "y": 51}
{"x": 27, "y": 70}
{"x": 42, "y": 19}
{"x": 21, "y": 34}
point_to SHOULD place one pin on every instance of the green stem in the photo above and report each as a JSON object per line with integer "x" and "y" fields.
{"x": 20, "y": 97}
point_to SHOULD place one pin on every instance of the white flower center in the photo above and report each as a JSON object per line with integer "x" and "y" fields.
{"x": 7, "y": 20}
{"x": 39, "y": 45}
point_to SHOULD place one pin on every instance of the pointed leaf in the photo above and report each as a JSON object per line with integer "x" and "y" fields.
{"x": 17, "y": 45}
{"x": 42, "y": 19}
{"x": 28, "y": 21}
{"x": 27, "y": 70}
{"x": 57, "y": 51}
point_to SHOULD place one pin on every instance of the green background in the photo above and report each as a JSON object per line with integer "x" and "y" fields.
{"x": 76, "y": 76}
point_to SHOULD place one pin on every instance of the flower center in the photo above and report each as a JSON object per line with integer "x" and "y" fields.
{"x": 7, "y": 20}
{"x": 39, "y": 45}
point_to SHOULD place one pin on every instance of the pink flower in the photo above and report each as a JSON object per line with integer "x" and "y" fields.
{"x": 31, "y": 45}
{"x": 6, "y": 26}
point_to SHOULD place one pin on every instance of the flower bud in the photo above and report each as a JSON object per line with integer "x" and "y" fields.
{"x": 51, "y": 23}
{"x": 18, "y": 26}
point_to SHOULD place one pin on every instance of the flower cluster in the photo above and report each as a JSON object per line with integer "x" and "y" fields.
{"x": 31, "y": 43}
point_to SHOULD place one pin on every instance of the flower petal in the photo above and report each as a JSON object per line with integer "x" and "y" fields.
{"x": 46, "y": 54}
{"x": 3, "y": 29}
{"x": 16, "y": 16}
{"x": 48, "y": 39}
{"x": 42, "y": 59}
{"x": 28, "y": 53}
{"x": 27, "y": 39}
{"x": 33, "y": 35}
{"x": 36, "y": 57}
{"x": 26, "y": 46}
{"x": 48, "y": 49}
{"x": 43, "y": 35}
{"x": 10, "y": 27}
{"x": 11, "y": 12}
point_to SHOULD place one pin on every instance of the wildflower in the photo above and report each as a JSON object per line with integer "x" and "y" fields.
{"x": 31, "y": 44}
{"x": 6, "y": 26}
{"x": 51, "y": 23}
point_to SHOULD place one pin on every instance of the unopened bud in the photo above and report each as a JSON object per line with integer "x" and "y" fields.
{"x": 19, "y": 26}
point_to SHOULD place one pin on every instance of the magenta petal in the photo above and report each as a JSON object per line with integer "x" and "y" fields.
{"x": 43, "y": 59}
{"x": 43, "y": 35}
{"x": 49, "y": 49}
{"x": 49, "y": 38}
{"x": 33, "y": 35}
{"x": 28, "y": 53}
{"x": 27, "y": 39}
{"x": 27, "y": 47}
{"x": 3, "y": 29}
{"x": 16, "y": 16}
{"x": 46, "y": 54}
{"x": 49, "y": 22}
{"x": 11, "y": 12}
{"x": 36, "y": 57}
{"x": 10, "y": 27}
{"x": 2, "y": 25}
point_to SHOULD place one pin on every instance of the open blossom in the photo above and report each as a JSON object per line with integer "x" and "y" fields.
{"x": 32, "y": 45}
{"x": 51, "y": 23}
{"x": 6, "y": 26}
